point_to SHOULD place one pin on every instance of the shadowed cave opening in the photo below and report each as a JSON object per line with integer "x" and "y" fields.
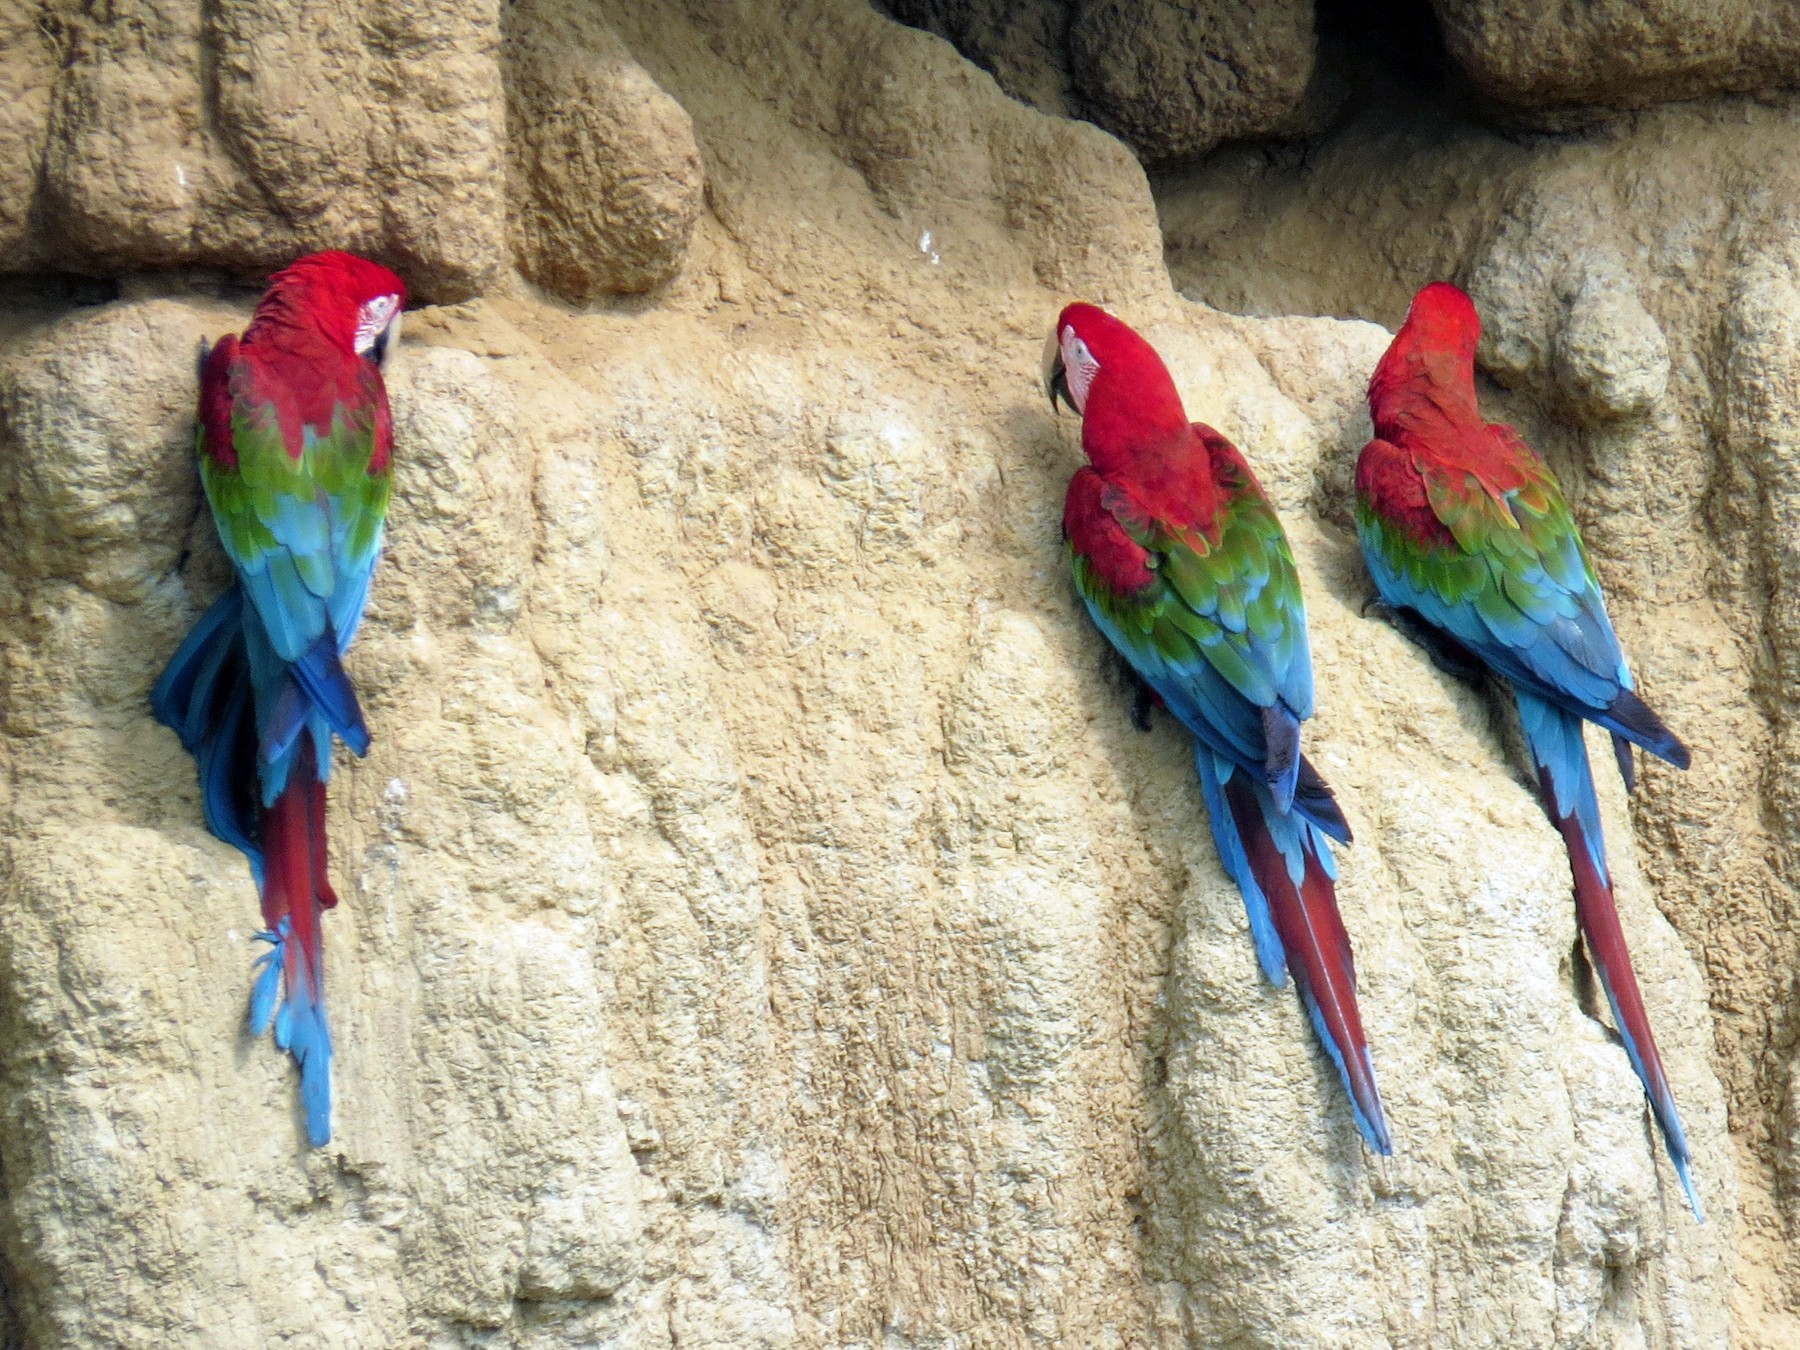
{"x": 1384, "y": 94}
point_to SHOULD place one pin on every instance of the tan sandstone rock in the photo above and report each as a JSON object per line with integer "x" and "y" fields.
{"x": 606, "y": 181}
{"x": 1538, "y": 54}
{"x": 240, "y": 137}
{"x": 1172, "y": 79}
{"x": 762, "y": 924}
{"x": 1176, "y": 79}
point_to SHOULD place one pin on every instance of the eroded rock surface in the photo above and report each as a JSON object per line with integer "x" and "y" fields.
{"x": 240, "y": 136}
{"x": 1542, "y": 54}
{"x": 1172, "y": 78}
{"x": 762, "y": 924}
{"x": 607, "y": 180}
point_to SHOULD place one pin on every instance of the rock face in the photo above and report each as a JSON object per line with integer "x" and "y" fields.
{"x": 1172, "y": 78}
{"x": 242, "y": 136}
{"x": 762, "y": 924}
{"x": 1537, "y": 54}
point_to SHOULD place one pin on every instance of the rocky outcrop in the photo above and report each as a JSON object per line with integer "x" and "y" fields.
{"x": 1175, "y": 79}
{"x": 606, "y": 181}
{"x": 1171, "y": 78}
{"x": 1539, "y": 54}
{"x": 241, "y": 136}
{"x": 762, "y": 924}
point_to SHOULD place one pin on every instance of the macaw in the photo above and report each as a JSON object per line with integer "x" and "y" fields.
{"x": 295, "y": 447}
{"x": 1473, "y": 546}
{"x": 1184, "y": 568}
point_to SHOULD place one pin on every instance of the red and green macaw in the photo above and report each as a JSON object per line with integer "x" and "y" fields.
{"x": 1472, "y": 544}
{"x": 295, "y": 445}
{"x": 1184, "y": 567}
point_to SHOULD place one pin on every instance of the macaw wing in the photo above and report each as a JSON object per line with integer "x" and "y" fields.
{"x": 1513, "y": 583}
{"x": 1217, "y": 627}
{"x": 303, "y": 529}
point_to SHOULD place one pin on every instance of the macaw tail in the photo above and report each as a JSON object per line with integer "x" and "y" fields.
{"x": 1566, "y": 784}
{"x": 1282, "y": 864}
{"x": 290, "y": 985}
{"x": 204, "y": 697}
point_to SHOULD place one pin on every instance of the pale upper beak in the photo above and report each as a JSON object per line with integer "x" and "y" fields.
{"x": 1056, "y": 376}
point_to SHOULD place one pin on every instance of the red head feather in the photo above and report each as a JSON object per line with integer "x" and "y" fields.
{"x": 1426, "y": 380}
{"x": 1129, "y": 409}
{"x": 344, "y": 299}
{"x": 317, "y": 333}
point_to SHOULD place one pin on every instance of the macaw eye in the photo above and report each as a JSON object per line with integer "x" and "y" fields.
{"x": 378, "y": 327}
{"x": 1079, "y": 366}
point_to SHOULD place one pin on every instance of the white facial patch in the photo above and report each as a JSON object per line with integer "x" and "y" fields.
{"x": 1079, "y": 367}
{"x": 372, "y": 319}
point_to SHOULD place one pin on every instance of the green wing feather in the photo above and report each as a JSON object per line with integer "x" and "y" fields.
{"x": 1227, "y": 599}
{"x": 1517, "y": 587}
{"x": 303, "y": 531}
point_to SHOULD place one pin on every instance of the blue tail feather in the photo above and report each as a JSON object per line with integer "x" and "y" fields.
{"x": 1317, "y": 930}
{"x": 1213, "y": 772}
{"x": 321, "y": 674}
{"x": 266, "y": 988}
{"x": 306, "y": 1037}
{"x": 1662, "y": 1103}
{"x": 1556, "y": 745}
{"x": 1377, "y": 1139}
{"x": 1554, "y": 737}
{"x": 288, "y": 1006}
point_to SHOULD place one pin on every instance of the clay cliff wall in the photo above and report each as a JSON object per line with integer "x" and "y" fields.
{"x": 762, "y": 924}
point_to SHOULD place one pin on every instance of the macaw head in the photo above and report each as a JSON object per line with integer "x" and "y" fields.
{"x": 1443, "y": 317}
{"x": 349, "y": 301}
{"x": 1117, "y": 383}
{"x": 1432, "y": 357}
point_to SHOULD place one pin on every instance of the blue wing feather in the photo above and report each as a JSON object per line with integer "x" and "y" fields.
{"x": 1572, "y": 660}
{"x": 321, "y": 675}
{"x": 183, "y": 691}
{"x": 204, "y": 696}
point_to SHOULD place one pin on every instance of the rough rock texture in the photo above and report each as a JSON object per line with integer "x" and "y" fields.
{"x": 1621, "y": 53}
{"x": 607, "y": 182}
{"x": 1024, "y": 46}
{"x": 1173, "y": 78}
{"x": 1639, "y": 292}
{"x": 762, "y": 924}
{"x": 238, "y": 134}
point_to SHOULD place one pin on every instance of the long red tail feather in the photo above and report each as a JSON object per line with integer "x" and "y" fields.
{"x": 1317, "y": 948}
{"x": 1597, "y": 915}
{"x": 296, "y": 893}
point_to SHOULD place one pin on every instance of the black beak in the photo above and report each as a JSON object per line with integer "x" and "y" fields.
{"x": 385, "y": 342}
{"x": 1056, "y": 376}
